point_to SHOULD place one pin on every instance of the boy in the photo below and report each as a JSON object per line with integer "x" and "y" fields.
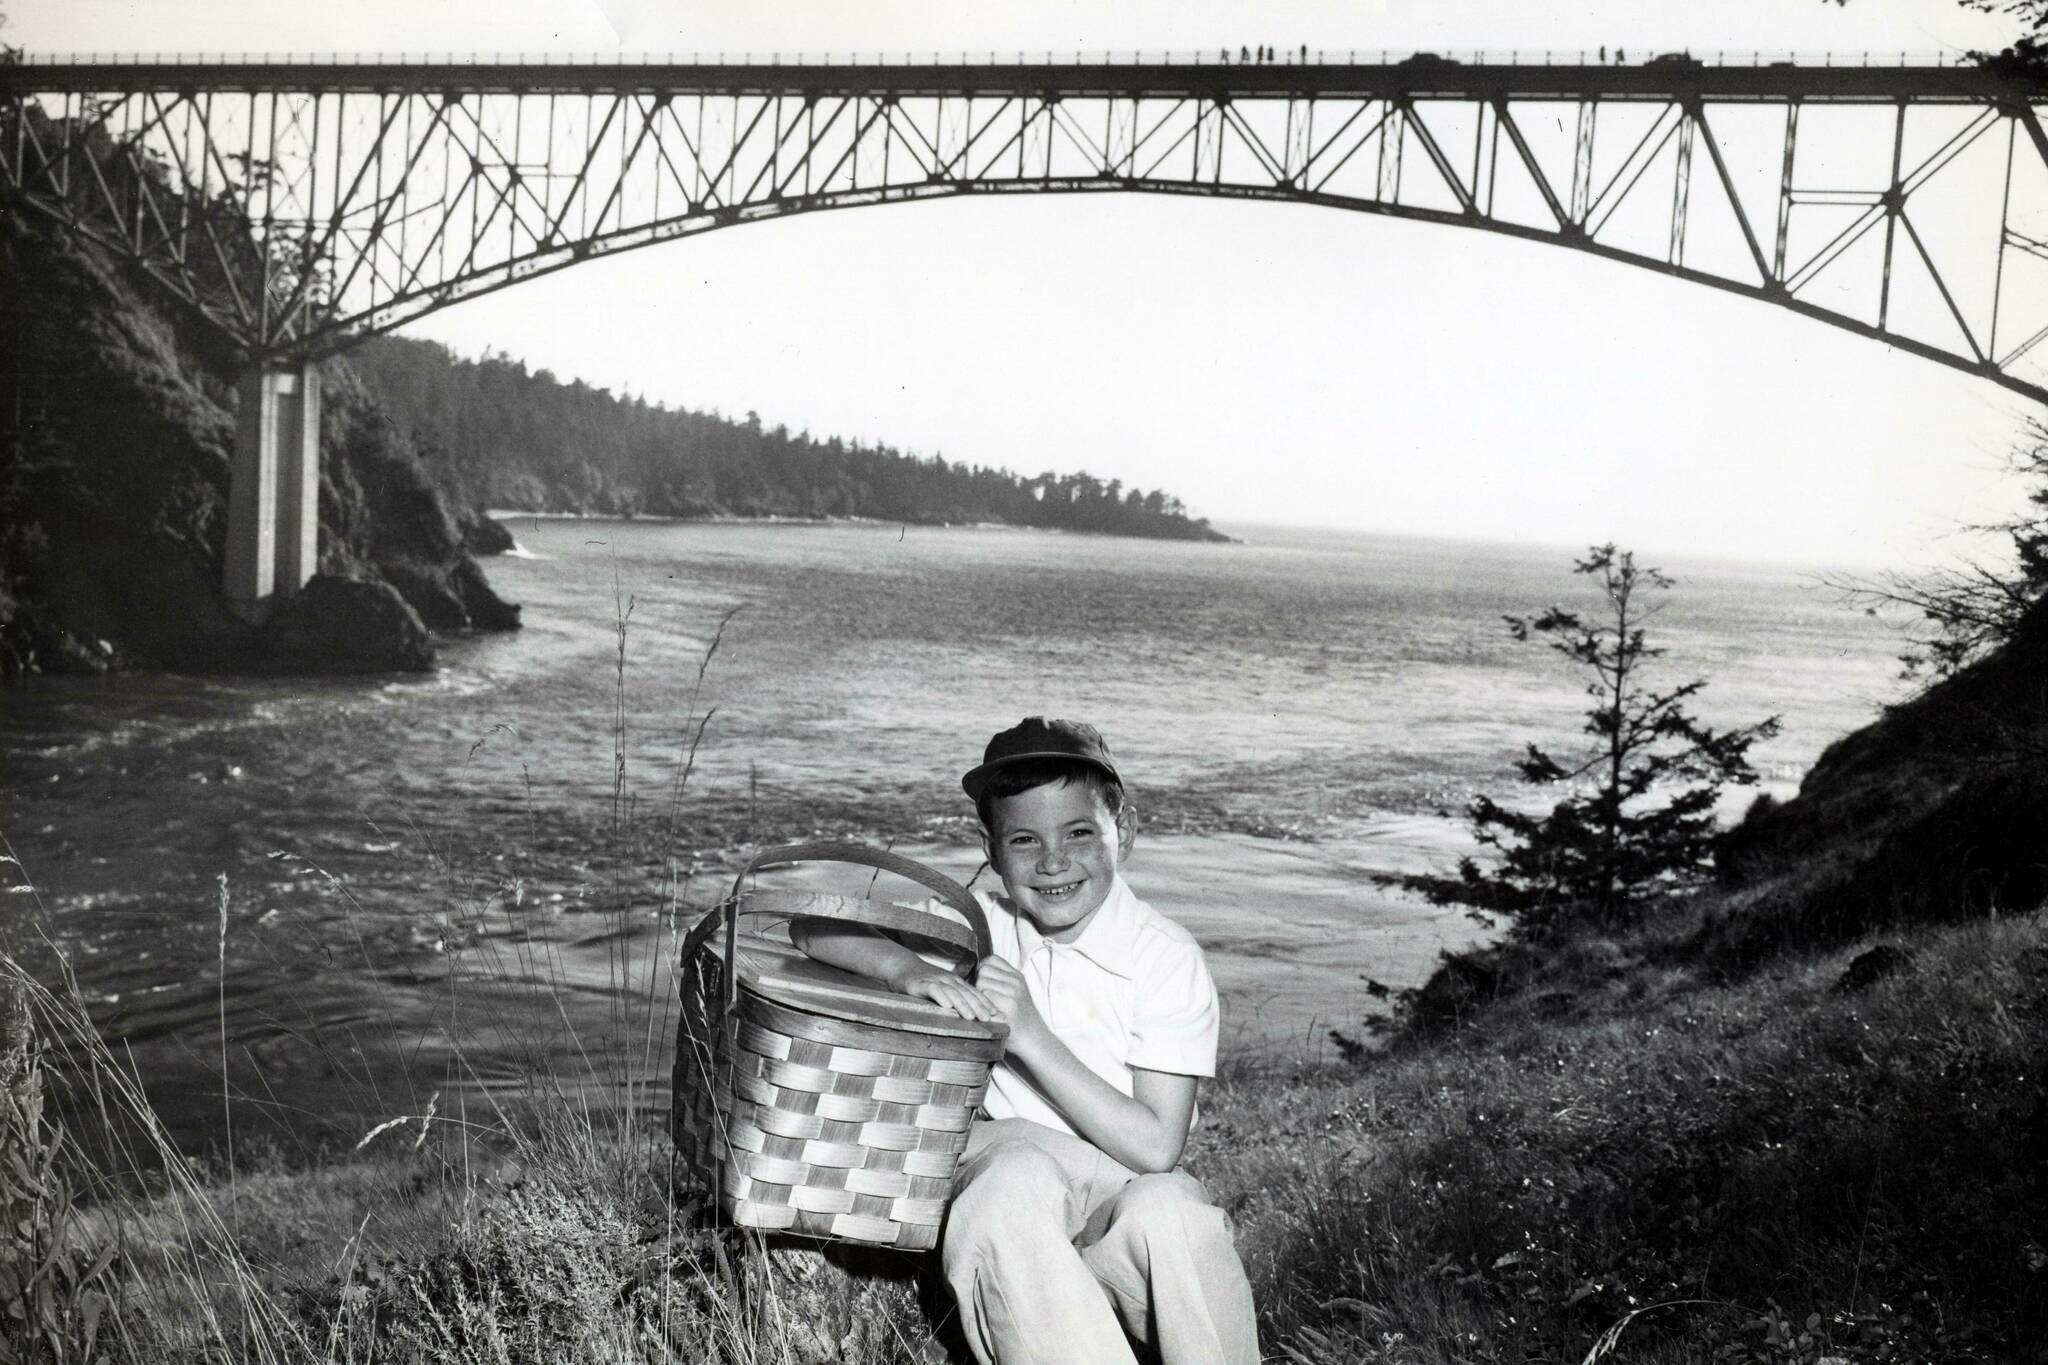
{"x": 1069, "y": 1226}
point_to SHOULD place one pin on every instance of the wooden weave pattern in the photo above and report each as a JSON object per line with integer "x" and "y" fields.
{"x": 821, "y": 1126}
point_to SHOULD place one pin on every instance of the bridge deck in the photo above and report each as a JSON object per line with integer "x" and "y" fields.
{"x": 1419, "y": 78}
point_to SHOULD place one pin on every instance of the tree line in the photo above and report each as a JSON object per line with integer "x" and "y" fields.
{"x": 501, "y": 435}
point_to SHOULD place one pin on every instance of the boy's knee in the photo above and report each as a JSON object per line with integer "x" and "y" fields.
{"x": 1009, "y": 1187}
{"x": 1172, "y": 1205}
{"x": 1161, "y": 1195}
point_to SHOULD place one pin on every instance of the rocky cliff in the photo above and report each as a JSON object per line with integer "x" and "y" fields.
{"x": 1936, "y": 811}
{"x": 116, "y": 432}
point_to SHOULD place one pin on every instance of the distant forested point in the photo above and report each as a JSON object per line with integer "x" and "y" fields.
{"x": 500, "y": 435}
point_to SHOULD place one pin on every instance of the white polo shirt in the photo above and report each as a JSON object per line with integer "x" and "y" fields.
{"x": 1131, "y": 992}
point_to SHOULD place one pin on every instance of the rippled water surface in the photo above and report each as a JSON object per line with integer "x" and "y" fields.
{"x": 405, "y": 859}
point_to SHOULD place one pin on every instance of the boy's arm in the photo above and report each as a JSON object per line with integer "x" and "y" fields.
{"x": 1145, "y": 1130}
{"x": 860, "y": 949}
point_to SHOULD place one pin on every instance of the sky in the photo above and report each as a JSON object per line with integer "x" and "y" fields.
{"x": 1265, "y": 362}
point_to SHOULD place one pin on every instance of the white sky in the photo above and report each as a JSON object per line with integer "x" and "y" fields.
{"x": 1263, "y": 361}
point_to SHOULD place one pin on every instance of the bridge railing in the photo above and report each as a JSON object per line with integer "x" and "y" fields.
{"x": 1213, "y": 56}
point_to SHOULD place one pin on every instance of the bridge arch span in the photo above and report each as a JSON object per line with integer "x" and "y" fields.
{"x": 398, "y": 312}
{"x": 376, "y": 193}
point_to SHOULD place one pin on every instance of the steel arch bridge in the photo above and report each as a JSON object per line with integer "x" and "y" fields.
{"x": 301, "y": 205}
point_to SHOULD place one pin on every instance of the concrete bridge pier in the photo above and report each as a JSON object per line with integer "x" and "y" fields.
{"x": 274, "y": 491}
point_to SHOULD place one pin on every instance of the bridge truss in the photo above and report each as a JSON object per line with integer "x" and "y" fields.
{"x": 301, "y": 207}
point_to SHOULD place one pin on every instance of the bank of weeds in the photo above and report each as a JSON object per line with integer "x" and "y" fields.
{"x": 1631, "y": 1162}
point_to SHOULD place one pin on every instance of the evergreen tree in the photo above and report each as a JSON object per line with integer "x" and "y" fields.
{"x": 1638, "y": 819}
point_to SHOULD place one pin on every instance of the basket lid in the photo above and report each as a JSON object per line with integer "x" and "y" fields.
{"x": 787, "y": 976}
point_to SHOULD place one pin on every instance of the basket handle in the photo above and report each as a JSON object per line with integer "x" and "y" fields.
{"x": 864, "y": 855}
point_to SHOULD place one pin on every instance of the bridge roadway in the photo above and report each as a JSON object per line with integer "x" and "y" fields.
{"x": 1415, "y": 77}
{"x": 301, "y": 205}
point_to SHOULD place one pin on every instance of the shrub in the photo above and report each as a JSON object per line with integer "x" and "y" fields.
{"x": 1638, "y": 820}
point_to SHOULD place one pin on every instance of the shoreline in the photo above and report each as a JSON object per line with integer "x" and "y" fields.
{"x": 504, "y": 516}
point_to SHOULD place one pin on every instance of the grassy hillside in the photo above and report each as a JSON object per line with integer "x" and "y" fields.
{"x": 1675, "y": 1169}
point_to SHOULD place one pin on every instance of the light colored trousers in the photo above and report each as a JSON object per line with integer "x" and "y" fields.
{"x": 1056, "y": 1252}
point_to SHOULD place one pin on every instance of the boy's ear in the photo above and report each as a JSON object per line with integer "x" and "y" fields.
{"x": 1126, "y": 830}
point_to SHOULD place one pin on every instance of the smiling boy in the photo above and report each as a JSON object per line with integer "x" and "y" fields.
{"x": 1071, "y": 1234}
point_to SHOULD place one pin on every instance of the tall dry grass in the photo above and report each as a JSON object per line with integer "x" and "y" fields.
{"x": 119, "y": 1249}
{"x": 552, "y": 1223}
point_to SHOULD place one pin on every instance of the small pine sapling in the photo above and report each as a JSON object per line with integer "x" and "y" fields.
{"x": 1638, "y": 821}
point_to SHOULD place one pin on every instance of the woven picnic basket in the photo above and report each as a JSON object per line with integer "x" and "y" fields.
{"x": 811, "y": 1100}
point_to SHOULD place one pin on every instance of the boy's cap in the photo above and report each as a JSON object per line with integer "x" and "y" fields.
{"x": 1037, "y": 737}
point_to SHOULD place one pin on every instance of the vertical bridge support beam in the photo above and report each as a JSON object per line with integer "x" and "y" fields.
{"x": 274, "y": 492}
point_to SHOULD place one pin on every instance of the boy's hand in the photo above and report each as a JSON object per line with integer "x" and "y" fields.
{"x": 945, "y": 989}
{"x": 1004, "y": 985}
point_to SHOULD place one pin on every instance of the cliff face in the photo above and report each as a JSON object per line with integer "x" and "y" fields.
{"x": 116, "y": 436}
{"x": 1938, "y": 810}
{"x": 382, "y": 516}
